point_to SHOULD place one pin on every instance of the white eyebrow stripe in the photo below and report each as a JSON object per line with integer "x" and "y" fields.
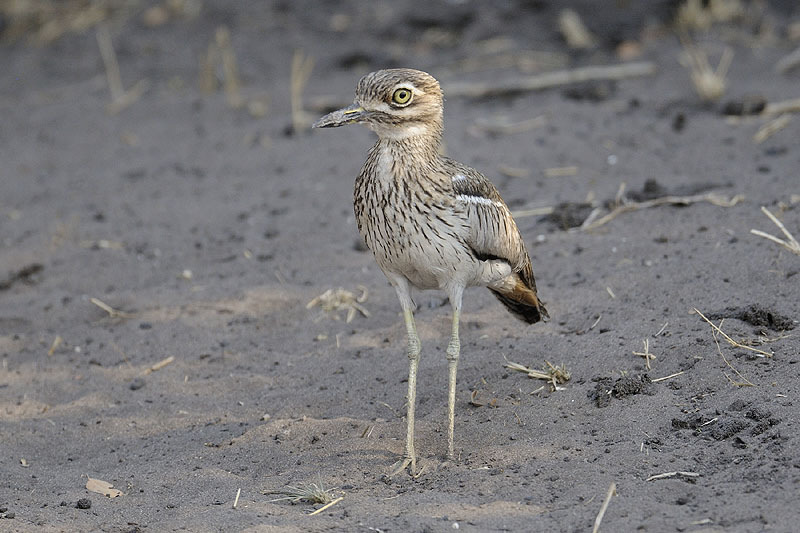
{"x": 479, "y": 200}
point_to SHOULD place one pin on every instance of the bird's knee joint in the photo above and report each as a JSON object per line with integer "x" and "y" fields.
{"x": 414, "y": 348}
{"x": 453, "y": 350}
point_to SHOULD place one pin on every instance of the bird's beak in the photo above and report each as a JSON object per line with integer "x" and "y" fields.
{"x": 348, "y": 115}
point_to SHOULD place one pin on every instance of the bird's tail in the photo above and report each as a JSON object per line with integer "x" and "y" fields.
{"x": 518, "y": 294}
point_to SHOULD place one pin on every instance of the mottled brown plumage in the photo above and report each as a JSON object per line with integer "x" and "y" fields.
{"x": 431, "y": 222}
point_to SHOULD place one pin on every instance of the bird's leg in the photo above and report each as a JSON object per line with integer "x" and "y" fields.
{"x": 414, "y": 347}
{"x": 413, "y": 350}
{"x": 453, "y": 351}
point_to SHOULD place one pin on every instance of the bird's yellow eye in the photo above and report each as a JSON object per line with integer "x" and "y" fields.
{"x": 401, "y": 96}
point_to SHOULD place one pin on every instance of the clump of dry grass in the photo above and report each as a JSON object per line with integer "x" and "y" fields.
{"x": 700, "y": 14}
{"x": 555, "y": 375}
{"x": 709, "y": 83}
{"x": 314, "y": 493}
{"x": 333, "y": 300}
{"x": 44, "y": 21}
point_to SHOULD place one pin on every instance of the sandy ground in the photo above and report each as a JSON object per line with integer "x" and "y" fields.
{"x": 210, "y": 228}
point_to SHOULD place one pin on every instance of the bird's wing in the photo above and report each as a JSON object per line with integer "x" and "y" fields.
{"x": 493, "y": 234}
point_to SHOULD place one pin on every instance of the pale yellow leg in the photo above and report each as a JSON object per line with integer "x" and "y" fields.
{"x": 409, "y": 457}
{"x": 453, "y": 351}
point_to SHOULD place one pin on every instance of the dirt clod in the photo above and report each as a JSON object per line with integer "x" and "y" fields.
{"x": 756, "y": 315}
{"x": 84, "y": 503}
{"x": 622, "y": 387}
{"x": 725, "y": 428}
{"x": 568, "y": 215}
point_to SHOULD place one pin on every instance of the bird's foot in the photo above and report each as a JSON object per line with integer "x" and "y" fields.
{"x": 406, "y": 462}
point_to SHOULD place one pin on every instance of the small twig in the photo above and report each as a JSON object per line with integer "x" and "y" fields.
{"x": 790, "y": 243}
{"x": 676, "y": 374}
{"x": 110, "y": 62}
{"x": 574, "y": 30}
{"x": 230, "y": 69}
{"x": 709, "y": 84}
{"x": 612, "y": 490}
{"x": 560, "y": 172}
{"x": 646, "y": 353}
{"x": 334, "y": 299}
{"x": 555, "y": 375}
{"x": 594, "y": 223}
{"x": 112, "y": 313}
{"x": 759, "y": 353}
{"x": 550, "y": 79}
{"x": 236, "y": 501}
{"x": 161, "y": 364}
{"x": 56, "y": 343}
{"x": 662, "y": 329}
{"x": 120, "y": 98}
{"x": 745, "y": 382}
{"x": 533, "y": 212}
{"x": 302, "y": 66}
{"x": 329, "y": 504}
{"x": 128, "y": 97}
{"x": 771, "y": 128}
{"x": 784, "y": 106}
{"x": 666, "y": 475}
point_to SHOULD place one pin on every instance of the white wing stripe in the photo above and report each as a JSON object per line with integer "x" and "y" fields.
{"x": 480, "y": 200}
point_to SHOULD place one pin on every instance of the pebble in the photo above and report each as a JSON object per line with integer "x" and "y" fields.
{"x": 84, "y": 503}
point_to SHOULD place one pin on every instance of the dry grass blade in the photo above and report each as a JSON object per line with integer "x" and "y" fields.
{"x": 112, "y": 313}
{"x": 784, "y": 106}
{"x": 236, "y": 500}
{"x": 574, "y": 30}
{"x": 120, "y": 98}
{"x": 334, "y": 299}
{"x": 534, "y": 212}
{"x": 161, "y": 364}
{"x": 327, "y": 505}
{"x": 593, "y": 222}
{"x": 110, "y": 62}
{"x": 710, "y": 84}
{"x": 666, "y": 475}
{"x": 676, "y": 374}
{"x": 646, "y": 353}
{"x": 790, "y": 243}
{"x": 56, "y": 343}
{"x": 230, "y": 68}
{"x": 759, "y": 353}
{"x": 314, "y": 493}
{"x": 555, "y": 375}
{"x": 612, "y": 490}
{"x": 745, "y": 382}
{"x": 771, "y": 128}
{"x": 45, "y": 21}
{"x": 302, "y": 66}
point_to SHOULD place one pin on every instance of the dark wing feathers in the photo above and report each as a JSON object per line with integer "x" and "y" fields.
{"x": 493, "y": 232}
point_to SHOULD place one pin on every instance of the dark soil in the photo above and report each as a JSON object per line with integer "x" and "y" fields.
{"x": 207, "y": 228}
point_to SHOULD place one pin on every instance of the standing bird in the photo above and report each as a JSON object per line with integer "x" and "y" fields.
{"x": 431, "y": 222}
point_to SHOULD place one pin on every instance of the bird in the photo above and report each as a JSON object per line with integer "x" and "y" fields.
{"x": 431, "y": 222}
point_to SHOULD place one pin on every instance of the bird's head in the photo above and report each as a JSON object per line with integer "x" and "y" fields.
{"x": 394, "y": 103}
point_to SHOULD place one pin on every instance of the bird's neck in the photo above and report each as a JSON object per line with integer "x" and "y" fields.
{"x": 414, "y": 150}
